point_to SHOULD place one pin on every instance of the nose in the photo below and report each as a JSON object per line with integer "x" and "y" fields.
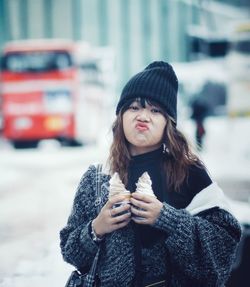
{"x": 143, "y": 115}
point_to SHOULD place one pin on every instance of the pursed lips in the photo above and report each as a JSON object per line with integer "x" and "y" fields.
{"x": 141, "y": 127}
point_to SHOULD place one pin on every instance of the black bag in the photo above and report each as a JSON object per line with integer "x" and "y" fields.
{"x": 89, "y": 279}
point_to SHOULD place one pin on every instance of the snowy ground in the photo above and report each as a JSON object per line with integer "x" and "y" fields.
{"x": 37, "y": 188}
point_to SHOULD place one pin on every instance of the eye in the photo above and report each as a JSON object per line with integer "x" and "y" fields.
{"x": 133, "y": 108}
{"x": 155, "y": 110}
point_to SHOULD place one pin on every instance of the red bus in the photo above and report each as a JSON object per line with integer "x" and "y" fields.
{"x": 38, "y": 88}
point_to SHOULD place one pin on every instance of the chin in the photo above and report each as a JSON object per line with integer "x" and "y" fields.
{"x": 140, "y": 145}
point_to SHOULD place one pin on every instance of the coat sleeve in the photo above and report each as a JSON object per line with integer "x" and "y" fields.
{"x": 202, "y": 247}
{"x": 77, "y": 247}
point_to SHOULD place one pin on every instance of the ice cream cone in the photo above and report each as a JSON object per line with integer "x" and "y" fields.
{"x": 144, "y": 186}
{"x": 117, "y": 188}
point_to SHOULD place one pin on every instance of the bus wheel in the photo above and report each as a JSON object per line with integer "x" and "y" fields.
{"x": 69, "y": 142}
{"x": 24, "y": 144}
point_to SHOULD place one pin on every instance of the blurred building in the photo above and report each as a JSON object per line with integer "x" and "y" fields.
{"x": 140, "y": 30}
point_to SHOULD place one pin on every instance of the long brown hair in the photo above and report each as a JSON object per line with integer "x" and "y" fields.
{"x": 177, "y": 154}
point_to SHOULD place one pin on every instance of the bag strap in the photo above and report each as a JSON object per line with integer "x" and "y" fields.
{"x": 98, "y": 200}
{"x": 90, "y": 278}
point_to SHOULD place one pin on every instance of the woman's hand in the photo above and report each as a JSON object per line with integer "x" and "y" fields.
{"x": 151, "y": 208}
{"x": 110, "y": 219}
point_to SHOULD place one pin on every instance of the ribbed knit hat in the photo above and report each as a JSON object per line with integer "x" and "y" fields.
{"x": 157, "y": 82}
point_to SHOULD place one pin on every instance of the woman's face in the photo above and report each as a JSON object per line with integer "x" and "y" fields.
{"x": 143, "y": 127}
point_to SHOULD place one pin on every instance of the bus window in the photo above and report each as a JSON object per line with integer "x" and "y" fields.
{"x": 19, "y": 62}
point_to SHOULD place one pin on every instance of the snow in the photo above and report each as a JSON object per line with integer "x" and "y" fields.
{"x": 37, "y": 188}
{"x": 227, "y": 147}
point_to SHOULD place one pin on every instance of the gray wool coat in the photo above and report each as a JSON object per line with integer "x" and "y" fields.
{"x": 197, "y": 249}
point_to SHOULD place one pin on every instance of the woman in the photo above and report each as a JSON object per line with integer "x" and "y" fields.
{"x": 185, "y": 236}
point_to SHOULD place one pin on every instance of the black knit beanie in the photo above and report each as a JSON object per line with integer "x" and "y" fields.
{"x": 157, "y": 82}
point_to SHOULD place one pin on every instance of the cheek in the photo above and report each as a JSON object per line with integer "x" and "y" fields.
{"x": 160, "y": 129}
{"x": 126, "y": 126}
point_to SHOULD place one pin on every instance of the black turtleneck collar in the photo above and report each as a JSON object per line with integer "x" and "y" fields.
{"x": 148, "y": 157}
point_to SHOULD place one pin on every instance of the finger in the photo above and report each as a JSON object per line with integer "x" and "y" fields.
{"x": 122, "y": 208}
{"x": 137, "y": 212}
{"x": 143, "y": 197}
{"x": 121, "y": 224}
{"x": 115, "y": 199}
{"x": 139, "y": 203}
{"x": 140, "y": 220}
{"x": 120, "y": 218}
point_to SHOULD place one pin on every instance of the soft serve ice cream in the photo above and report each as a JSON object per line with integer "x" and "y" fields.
{"x": 117, "y": 187}
{"x": 144, "y": 186}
